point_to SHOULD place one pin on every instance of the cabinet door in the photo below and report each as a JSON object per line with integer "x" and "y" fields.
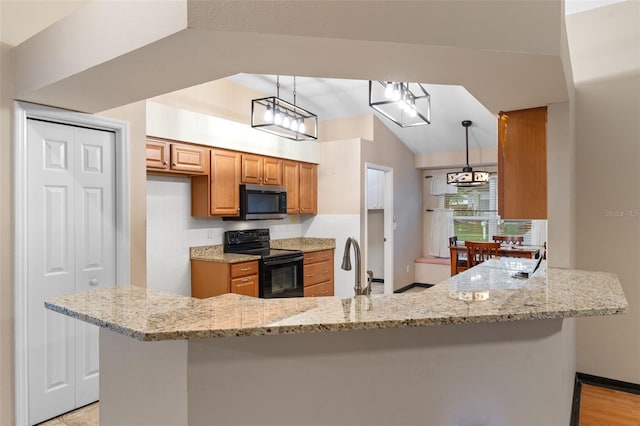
{"x": 522, "y": 164}
{"x": 157, "y": 155}
{"x": 245, "y": 285}
{"x": 319, "y": 290}
{"x": 209, "y": 279}
{"x": 252, "y": 168}
{"x": 308, "y": 188}
{"x": 272, "y": 171}
{"x": 291, "y": 181}
{"x": 189, "y": 158}
{"x": 225, "y": 183}
{"x": 375, "y": 189}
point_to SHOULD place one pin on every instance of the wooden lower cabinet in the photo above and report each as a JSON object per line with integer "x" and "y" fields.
{"x": 210, "y": 279}
{"x": 318, "y": 273}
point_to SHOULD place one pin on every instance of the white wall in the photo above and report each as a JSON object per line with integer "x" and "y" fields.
{"x": 171, "y": 230}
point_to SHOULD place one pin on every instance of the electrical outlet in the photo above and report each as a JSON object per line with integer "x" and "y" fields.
{"x": 407, "y": 268}
{"x": 211, "y": 233}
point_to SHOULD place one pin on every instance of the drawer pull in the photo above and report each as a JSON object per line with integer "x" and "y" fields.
{"x": 309, "y": 275}
{"x": 244, "y": 280}
{"x": 245, "y": 269}
{"x": 324, "y": 271}
{"x": 310, "y": 257}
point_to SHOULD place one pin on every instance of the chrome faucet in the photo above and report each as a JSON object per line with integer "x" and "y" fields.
{"x": 346, "y": 265}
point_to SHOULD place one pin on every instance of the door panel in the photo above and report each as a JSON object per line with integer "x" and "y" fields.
{"x": 95, "y": 243}
{"x": 71, "y": 239}
{"x": 51, "y": 269}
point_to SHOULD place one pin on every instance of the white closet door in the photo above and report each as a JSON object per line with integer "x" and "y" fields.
{"x": 95, "y": 242}
{"x": 71, "y": 240}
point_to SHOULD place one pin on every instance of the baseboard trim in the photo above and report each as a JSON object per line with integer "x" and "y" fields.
{"x": 412, "y": 285}
{"x": 588, "y": 379}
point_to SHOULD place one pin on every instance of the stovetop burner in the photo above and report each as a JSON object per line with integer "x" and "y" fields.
{"x": 254, "y": 241}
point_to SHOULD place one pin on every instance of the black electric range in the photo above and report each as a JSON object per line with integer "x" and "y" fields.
{"x": 281, "y": 271}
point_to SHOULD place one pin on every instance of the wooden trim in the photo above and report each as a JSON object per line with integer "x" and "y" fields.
{"x": 588, "y": 379}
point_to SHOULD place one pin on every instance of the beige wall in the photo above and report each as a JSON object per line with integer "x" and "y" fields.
{"x": 6, "y": 240}
{"x": 135, "y": 115}
{"x": 340, "y": 162}
{"x": 386, "y": 150}
{"x": 608, "y": 218}
{"x": 607, "y": 128}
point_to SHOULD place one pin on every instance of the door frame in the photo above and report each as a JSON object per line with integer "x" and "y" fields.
{"x": 389, "y": 220}
{"x": 22, "y": 112}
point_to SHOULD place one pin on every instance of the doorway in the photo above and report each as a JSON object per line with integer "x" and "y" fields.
{"x": 378, "y": 225}
{"x": 72, "y": 234}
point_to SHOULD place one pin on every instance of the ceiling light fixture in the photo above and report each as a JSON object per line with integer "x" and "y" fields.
{"x": 406, "y": 104}
{"x": 279, "y": 117}
{"x": 467, "y": 177}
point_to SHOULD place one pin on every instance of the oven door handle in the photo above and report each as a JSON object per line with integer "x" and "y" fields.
{"x": 274, "y": 262}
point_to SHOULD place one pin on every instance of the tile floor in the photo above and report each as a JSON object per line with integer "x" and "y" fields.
{"x": 89, "y": 415}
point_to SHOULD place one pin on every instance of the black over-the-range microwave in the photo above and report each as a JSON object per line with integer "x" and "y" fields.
{"x": 261, "y": 202}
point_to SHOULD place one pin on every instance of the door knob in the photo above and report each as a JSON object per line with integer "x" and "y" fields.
{"x": 93, "y": 281}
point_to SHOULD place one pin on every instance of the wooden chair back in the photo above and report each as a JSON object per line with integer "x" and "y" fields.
{"x": 479, "y": 251}
{"x": 453, "y": 240}
{"x": 458, "y": 264}
{"x": 509, "y": 239}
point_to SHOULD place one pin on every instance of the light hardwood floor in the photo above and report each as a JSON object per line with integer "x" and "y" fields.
{"x": 602, "y": 406}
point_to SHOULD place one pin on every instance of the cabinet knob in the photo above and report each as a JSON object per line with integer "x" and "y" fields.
{"x": 164, "y": 163}
{"x": 174, "y": 164}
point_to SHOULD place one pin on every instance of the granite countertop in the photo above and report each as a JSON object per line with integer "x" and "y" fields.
{"x": 216, "y": 253}
{"x": 482, "y": 294}
{"x": 305, "y": 244}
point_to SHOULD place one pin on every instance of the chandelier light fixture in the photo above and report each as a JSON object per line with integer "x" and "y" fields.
{"x": 281, "y": 118}
{"x": 467, "y": 177}
{"x": 406, "y": 104}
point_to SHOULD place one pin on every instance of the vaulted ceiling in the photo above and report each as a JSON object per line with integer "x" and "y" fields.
{"x": 505, "y": 54}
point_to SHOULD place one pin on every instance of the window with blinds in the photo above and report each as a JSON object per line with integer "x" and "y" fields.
{"x": 475, "y": 214}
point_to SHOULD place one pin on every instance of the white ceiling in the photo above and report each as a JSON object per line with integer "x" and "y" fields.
{"x": 339, "y": 98}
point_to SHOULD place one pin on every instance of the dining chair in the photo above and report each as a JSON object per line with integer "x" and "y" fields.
{"x": 479, "y": 251}
{"x": 458, "y": 263}
{"x": 509, "y": 239}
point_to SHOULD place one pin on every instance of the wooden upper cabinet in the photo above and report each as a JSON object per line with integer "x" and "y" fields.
{"x": 308, "y": 188}
{"x": 522, "y": 164}
{"x": 157, "y": 155}
{"x": 219, "y": 193}
{"x": 252, "y": 166}
{"x": 225, "y": 183}
{"x": 272, "y": 171}
{"x": 189, "y": 158}
{"x": 291, "y": 181}
{"x": 261, "y": 170}
{"x": 176, "y": 157}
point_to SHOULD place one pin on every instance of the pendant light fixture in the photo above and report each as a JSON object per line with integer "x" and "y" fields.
{"x": 406, "y": 104}
{"x": 467, "y": 177}
{"x": 281, "y": 118}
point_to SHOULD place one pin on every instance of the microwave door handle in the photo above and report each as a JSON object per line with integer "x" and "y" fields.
{"x": 282, "y": 261}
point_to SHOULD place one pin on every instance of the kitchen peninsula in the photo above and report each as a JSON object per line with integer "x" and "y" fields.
{"x": 489, "y": 346}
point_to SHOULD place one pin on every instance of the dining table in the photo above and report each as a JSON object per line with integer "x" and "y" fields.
{"x": 506, "y": 250}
